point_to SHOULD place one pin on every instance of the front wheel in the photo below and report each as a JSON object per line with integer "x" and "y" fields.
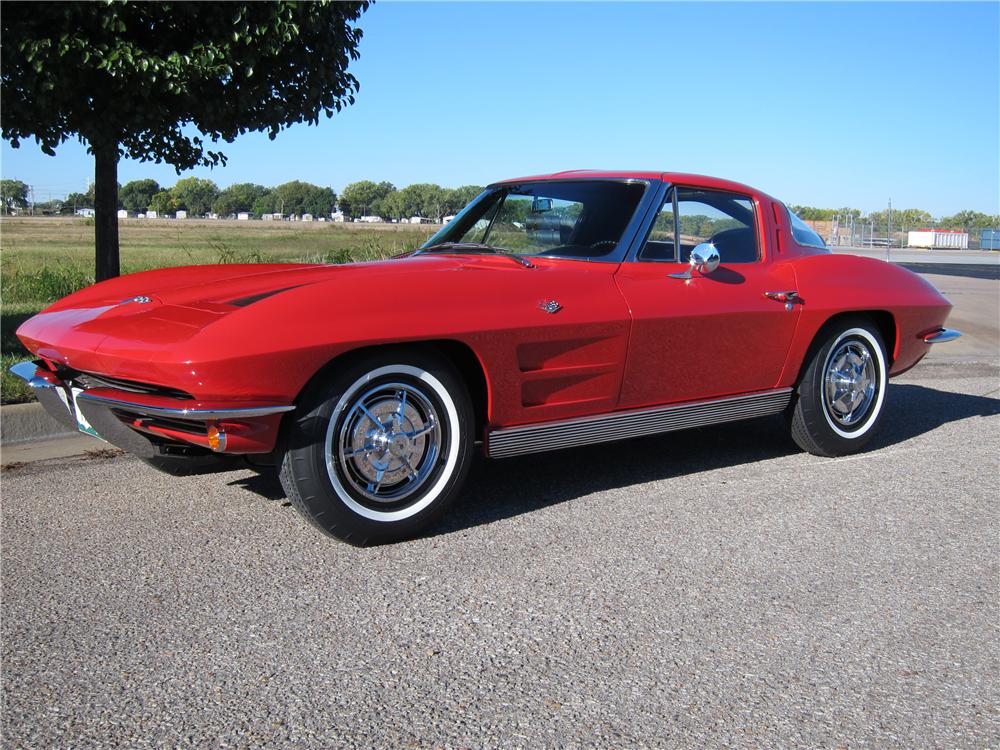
{"x": 840, "y": 397}
{"x": 376, "y": 454}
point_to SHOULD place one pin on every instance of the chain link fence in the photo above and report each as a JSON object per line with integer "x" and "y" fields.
{"x": 852, "y": 231}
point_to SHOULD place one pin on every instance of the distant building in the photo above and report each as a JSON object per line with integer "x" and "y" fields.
{"x": 421, "y": 220}
{"x": 181, "y": 214}
{"x": 945, "y": 239}
{"x": 242, "y": 216}
{"x": 267, "y": 217}
{"x": 122, "y": 214}
{"x": 371, "y": 219}
{"x": 338, "y": 217}
{"x": 88, "y": 212}
{"x": 151, "y": 215}
{"x": 446, "y": 219}
{"x": 307, "y": 217}
{"x": 140, "y": 216}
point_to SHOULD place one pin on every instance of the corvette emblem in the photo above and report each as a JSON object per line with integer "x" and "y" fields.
{"x": 140, "y": 299}
{"x": 550, "y": 306}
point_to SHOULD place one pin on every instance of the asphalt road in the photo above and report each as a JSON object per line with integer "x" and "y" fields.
{"x": 697, "y": 589}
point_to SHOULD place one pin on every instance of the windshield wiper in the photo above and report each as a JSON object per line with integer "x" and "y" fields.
{"x": 473, "y": 247}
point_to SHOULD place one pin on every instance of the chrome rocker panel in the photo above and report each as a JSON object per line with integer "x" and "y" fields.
{"x": 516, "y": 441}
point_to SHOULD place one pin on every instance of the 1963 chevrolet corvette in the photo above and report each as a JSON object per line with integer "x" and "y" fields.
{"x": 552, "y": 312}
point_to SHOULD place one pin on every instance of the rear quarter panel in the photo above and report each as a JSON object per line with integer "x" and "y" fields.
{"x": 831, "y": 285}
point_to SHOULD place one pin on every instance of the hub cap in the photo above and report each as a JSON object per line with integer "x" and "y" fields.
{"x": 388, "y": 443}
{"x": 850, "y": 383}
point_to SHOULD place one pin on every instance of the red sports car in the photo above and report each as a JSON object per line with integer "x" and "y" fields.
{"x": 552, "y": 312}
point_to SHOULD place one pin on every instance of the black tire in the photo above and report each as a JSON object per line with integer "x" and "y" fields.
{"x": 405, "y": 411}
{"x": 824, "y": 425}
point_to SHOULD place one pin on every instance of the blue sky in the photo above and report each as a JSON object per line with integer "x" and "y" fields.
{"x": 820, "y": 104}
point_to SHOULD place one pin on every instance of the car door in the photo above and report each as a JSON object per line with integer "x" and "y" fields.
{"x": 710, "y": 335}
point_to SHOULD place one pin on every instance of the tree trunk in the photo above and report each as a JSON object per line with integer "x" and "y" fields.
{"x": 106, "y": 210}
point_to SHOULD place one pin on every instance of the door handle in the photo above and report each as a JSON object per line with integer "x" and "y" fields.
{"x": 788, "y": 297}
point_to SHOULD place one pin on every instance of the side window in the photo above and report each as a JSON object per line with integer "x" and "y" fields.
{"x": 659, "y": 244}
{"x": 724, "y": 219}
{"x": 803, "y": 233}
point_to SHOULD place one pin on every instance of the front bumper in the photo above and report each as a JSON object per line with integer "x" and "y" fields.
{"x": 150, "y": 425}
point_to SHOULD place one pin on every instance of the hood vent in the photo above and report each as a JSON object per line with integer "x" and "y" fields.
{"x": 247, "y": 301}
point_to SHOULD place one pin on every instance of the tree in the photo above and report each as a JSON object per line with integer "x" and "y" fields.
{"x": 136, "y": 195}
{"x": 362, "y": 198}
{"x": 163, "y": 203}
{"x": 79, "y": 200}
{"x": 132, "y": 79}
{"x": 238, "y": 198}
{"x": 195, "y": 195}
{"x": 14, "y": 194}
{"x": 264, "y": 204}
{"x": 456, "y": 199}
{"x": 303, "y": 198}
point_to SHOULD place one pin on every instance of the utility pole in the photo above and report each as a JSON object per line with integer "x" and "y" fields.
{"x": 888, "y": 232}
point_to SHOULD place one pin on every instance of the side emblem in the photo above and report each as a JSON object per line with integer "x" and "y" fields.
{"x": 550, "y": 306}
{"x": 140, "y": 299}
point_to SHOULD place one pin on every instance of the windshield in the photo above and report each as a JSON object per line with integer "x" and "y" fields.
{"x": 575, "y": 219}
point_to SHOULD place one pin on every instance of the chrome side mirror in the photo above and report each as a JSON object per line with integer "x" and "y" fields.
{"x": 704, "y": 259}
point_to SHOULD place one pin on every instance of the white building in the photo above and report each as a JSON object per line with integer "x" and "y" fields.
{"x": 371, "y": 219}
{"x": 181, "y": 214}
{"x": 88, "y": 212}
{"x": 338, "y": 217}
{"x": 446, "y": 219}
{"x": 122, "y": 214}
{"x": 242, "y": 216}
{"x": 307, "y": 217}
{"x": 950, "y": 239}
{"x": 151, "y": 214}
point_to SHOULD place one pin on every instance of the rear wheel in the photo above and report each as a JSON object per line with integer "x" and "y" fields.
{"x": 379, "y": 451}
{"x": 839, "y": 400}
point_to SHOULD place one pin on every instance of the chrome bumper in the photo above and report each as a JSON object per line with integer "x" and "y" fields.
{"x": 118, "y": 416}
{"x": 941, "y": 335}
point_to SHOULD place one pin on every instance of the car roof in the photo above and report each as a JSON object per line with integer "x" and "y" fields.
{"x": 680, "y": 178}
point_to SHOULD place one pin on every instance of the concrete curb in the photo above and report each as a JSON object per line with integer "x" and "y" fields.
{"x": 22, "y": 423}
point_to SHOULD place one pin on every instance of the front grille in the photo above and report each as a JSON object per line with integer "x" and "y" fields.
{"x": 87, "y": 380}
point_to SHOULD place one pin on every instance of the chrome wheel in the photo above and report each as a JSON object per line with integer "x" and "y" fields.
{"x": 850, "y": 383}
{"x": 388, "y": 443}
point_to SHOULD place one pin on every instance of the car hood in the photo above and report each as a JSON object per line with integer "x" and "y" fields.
{"x": 146, "y": 316}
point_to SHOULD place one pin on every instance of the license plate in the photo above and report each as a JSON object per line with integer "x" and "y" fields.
{"x": 81, "y": 421}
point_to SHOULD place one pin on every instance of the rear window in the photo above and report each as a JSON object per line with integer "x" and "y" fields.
{"x": 803, "y": 233}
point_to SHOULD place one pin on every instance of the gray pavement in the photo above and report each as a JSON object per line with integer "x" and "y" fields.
{"x": 692, "y": 590}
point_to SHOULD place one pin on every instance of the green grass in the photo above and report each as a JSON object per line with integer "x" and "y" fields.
{"x": 44, "y": 259}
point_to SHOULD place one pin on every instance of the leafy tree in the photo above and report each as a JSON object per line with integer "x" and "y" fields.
{"x": 970, "y": 220}
{"x": 14, "y": 194}
{"x": 458, "y": 198}
{"x": 363, "y": 198}
{"x": 79, "y": 200}
{"x": 303, "y": 198}
{"x": 136, "y": 195}
{"x": 195, "y": 195}
{"x": 237, "y": 198}
{"x": 264, "y": 204}
{"x": 133, "y": 79}
{"x": 163, "y": 203}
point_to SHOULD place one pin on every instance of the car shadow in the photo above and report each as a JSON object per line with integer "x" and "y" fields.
{"x": 506, "y": 488}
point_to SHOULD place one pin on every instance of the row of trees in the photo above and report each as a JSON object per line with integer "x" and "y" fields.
{"x": 906, "y": 217}
{"x": 200, "y": 197}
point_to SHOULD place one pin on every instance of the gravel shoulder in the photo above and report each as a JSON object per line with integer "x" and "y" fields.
{"x": 697, "y": 589}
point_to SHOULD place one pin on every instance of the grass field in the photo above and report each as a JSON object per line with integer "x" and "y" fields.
{"x": 44, "y": 259}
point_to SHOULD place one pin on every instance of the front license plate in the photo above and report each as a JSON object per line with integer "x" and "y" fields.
{"x": 81, "y": 421}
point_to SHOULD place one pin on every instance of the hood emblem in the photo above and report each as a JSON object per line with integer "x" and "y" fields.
{"x": 139, "y": 299}
{"x": 550, "y": 306}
